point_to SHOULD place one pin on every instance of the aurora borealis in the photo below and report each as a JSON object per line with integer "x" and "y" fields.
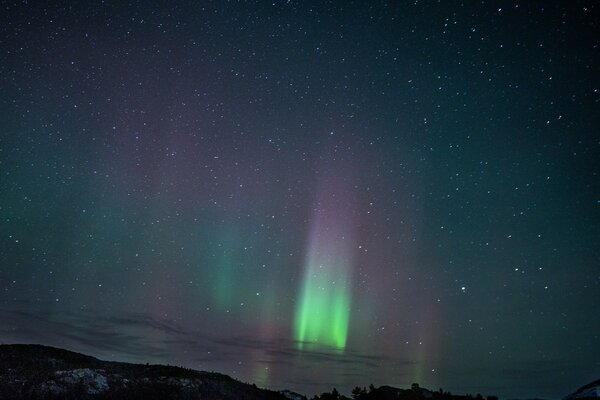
{"x": 324, "y": 304}
{"x": 307, "y": 196}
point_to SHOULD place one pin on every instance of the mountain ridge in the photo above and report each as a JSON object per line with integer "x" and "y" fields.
{"x": 35, "y": 372}
{"x": 44, "y": 372}
{"x": 589, "y": 391}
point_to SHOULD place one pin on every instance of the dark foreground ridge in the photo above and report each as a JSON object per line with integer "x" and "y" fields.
{"x": 36, "y": 372}
{"x": 587, "y": 392}
{"x": 40, "y": 372}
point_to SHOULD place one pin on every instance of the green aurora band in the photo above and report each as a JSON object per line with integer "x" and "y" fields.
{"x": 323, "y": 310}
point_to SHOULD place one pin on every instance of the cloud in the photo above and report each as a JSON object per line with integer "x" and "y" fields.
{"x": 142, "y": 338}
{"x": 282, "y": 349}
{"x": 85, "y": 332}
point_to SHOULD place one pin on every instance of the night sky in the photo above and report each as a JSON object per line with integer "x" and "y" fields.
{"x": 307, "y": 195}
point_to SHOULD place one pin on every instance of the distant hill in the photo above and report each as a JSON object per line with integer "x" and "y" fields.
{"x": 589, "y": 391}
{"x": 391, "y": 393}
{"x": 38, "y": 372}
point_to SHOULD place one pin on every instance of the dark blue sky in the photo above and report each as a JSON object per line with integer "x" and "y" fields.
{"x": 307, "y": 195}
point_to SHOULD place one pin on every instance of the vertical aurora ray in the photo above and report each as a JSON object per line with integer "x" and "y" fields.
{"x": 226, "y": 265}
{"x": 323, "y": 310}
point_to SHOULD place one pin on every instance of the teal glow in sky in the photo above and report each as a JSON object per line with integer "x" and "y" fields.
{"x": 323, "y": 311}
{"x": 307, "y": 196}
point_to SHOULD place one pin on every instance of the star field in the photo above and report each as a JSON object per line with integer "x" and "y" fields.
{"x": 307, "y": 195}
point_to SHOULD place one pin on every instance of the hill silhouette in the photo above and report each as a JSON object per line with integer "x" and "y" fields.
{"x": 586, "y": 392}
{"x": 41, "y": 372}
{"x": 391, "y": 393}
{"x": 37, "y": 372}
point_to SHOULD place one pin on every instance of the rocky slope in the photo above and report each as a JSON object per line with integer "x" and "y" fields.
{"x": 39, "y": 372}
{"x": 36, "y": 372}
{"x": 589, "y": 391}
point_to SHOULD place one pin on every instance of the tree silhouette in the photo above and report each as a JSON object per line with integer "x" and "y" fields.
{"x": 359, "y": 393}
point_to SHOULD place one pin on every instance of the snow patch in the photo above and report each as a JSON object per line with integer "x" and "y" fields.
{"x": 593, "y": 391}
{"x": 93, "y": 381}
